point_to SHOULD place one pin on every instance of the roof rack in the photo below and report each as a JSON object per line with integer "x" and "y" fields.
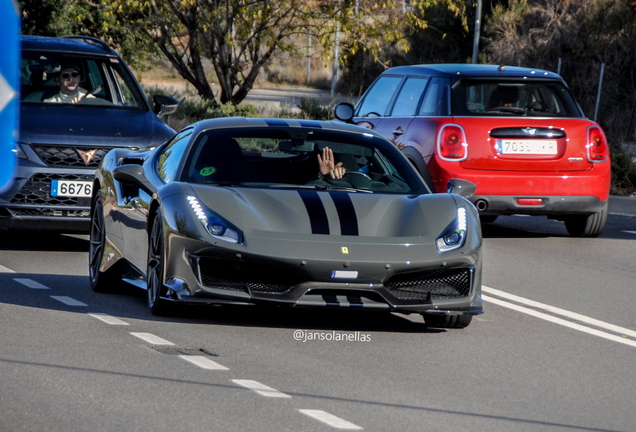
{"x": 90, "y": 39}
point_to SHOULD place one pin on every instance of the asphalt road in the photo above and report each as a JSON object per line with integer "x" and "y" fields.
{"x": 555, "y": 350}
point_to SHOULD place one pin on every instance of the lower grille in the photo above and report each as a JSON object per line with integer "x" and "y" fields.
{"x": 223, "y": 275}
{"x": 37, "y": 191}
{"x": 439, "y": 284}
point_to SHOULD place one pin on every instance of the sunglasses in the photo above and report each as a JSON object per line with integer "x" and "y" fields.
{"x": 67, "y": 75}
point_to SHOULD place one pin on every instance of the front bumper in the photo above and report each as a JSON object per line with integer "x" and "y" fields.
{"x": 28, "y": 204}
{"x": 450, "y": 286}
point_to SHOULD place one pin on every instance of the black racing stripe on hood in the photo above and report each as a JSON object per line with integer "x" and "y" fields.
{"x": 316, "y": 211}
{"x": 346, "y": 213}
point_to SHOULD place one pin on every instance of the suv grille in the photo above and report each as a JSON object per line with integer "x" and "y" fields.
{"x": 68, "y": 156}
{"x": 37, "y": 191}
{"x": 440, "y": 284}
{"x": 224, "y": 275}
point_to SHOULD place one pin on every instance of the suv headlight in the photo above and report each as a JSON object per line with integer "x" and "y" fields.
{"x": 19, "y": 153}
{"x": 454, "y": 236}
{"x": 215, "y": 225}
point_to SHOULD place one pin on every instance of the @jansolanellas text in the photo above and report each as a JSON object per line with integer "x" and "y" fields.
{"x": 308, "y": 336}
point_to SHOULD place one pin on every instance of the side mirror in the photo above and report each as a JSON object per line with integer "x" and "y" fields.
{"x": 133, "y": 175}
{"x": 164, "y": 105}
{"x": 461, "y": 187}
{"x": 343, "y": 111}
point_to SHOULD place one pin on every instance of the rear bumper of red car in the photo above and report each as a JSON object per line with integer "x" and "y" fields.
{"x": 535, "y": 193}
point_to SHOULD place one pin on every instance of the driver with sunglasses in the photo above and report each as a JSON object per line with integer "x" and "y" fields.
{"x": 69, "y": 80}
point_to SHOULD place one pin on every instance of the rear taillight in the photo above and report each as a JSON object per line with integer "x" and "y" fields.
{"x": 451, "y": 143}
{"x": 597, "y": 149}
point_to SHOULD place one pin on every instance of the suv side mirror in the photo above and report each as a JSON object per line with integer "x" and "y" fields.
{"x": 164, "y": 105}
{"x": 343, "y": 111}
{"x": 461, "y": 187}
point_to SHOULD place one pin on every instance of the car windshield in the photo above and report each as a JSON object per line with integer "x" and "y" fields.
{"x": 284, "y": 158}
{"x": 102, "y": 82}
{"x": 538, "y": 98}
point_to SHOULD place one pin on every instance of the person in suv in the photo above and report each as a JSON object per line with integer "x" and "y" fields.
{"x": 61, "y": 144}
{"x": 516, "y": 133}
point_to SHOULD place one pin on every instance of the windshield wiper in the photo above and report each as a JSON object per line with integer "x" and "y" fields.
{"x": 513, "y": 110}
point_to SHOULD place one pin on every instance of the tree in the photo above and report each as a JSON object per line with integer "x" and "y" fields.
{"x": 239, "y": 37}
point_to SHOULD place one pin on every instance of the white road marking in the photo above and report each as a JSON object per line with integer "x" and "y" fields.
{"x": 559, "y": 311}
{"x": 31, "y": 283}
{"x": 261, "y": 389}
{"x": 203, "y": 362}
{"x": 630, "y": 232}
{"x": 151, "y": 339}
{"x": 330, "y": 419}
{"x": 108, "y": 319}
{"x": 4, "y": 269}
{"x": 560, "y": 321}
{"x": 69, "y": 301}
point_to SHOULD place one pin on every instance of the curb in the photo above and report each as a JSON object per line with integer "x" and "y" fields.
{"x": 622, "y": 205}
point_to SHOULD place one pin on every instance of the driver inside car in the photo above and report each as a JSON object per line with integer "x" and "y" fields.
{"x": 69, "y": 79}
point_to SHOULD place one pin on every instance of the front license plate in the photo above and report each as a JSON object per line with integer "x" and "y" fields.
{"x": 69, "y": 188}
{"x": 540, "y": 147}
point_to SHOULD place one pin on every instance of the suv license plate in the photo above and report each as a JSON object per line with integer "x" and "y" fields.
{"x": 69, "y": 188}
{"x": 540, "y": 147}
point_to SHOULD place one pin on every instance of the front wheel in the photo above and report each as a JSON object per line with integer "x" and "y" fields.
{"x": 100, "y": 281}
{"x": 156, "y": 264}
{"x": 587, "y": 225}
{"x": 447, "y": 321}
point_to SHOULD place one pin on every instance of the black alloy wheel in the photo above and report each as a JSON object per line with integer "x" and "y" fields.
{"x": 156, "y": 264}
{"x": 99, "y": 280}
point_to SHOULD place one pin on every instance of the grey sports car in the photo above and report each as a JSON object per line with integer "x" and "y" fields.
{"x": 240, "y": 211}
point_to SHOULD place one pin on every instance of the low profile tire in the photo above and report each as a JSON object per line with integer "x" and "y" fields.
{"x": 587, "y": 225}
{"x": 100, "y": 281}
{"x": 488, "y": 218}
{"x": 447, "y": 321}
{"x": 156, "y": 264}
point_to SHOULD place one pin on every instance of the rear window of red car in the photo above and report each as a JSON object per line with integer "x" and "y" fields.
{"x": 540, "y": 98}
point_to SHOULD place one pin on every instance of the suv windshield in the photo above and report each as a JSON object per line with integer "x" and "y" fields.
{"x": 99, "y": 81}
{"x": 473, "y": 97}
{"x": 274, "y": 158}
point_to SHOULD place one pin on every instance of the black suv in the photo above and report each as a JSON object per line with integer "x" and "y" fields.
{"x": 61, "y": 144}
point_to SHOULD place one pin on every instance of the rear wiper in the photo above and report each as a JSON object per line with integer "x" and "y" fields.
{"x": 513, "y": 110}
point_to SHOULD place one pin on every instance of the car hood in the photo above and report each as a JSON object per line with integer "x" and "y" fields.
{"x": 276, "y": 212}
{"x": 95, "y": 126}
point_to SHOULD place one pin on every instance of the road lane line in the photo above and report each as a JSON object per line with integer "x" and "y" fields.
{"x": 330, "y": 419}
{"x": 31, "y": 283}
{"x": 69, "y": 301}
{"x": 630, "y": 232}
{"x": 559, "y": 311}
{"x": 4, "y": 269}
{"x": 151, "y": 339}
{"x": 560, "y": 321}
{"x": 108, "y": 319}
{"x": 261, "y": 389}
{"x": 203, "y": 362}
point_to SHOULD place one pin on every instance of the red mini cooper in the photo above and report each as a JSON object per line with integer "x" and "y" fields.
{"x": 517, "y": 133}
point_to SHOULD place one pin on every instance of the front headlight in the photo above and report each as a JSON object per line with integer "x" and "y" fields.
{"x": 215, "y": 225}
{"x": 19, "y": 153}
{"x": 454, "y": 236}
